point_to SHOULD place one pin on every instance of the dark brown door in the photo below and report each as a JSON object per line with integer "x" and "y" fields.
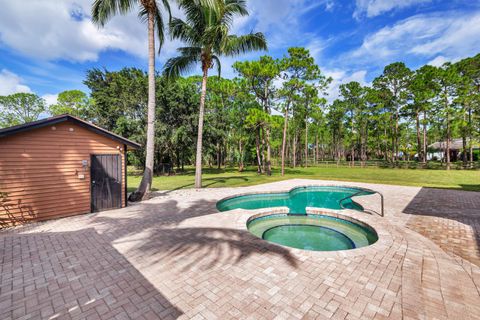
{"x": 106, "y": 181}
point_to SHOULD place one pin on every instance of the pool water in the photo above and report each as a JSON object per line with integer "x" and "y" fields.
{"x": 312, "y": 232}
{"x": 297, "y": 199}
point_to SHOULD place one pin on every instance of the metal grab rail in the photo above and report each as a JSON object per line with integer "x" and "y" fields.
{"x": 361, "y": 191}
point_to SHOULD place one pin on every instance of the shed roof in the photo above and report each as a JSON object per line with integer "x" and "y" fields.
{"x": 62, "y": 118}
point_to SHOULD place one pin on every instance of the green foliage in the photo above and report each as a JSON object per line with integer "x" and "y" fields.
{"x": 118, "y": 97}
{"x": 397, "y": 117}
{"x": 119, "y": 103}
{"x": 206, "y": 31}
{"x": 259, "y": 75}
{"x": 214, "y": 178}
{"x": 19, "y": 108}
{"x": 73, "y": 102}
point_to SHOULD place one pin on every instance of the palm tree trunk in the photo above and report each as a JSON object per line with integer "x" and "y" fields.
{"x": 198, "y": 159}
{"x": 145, "y": 185}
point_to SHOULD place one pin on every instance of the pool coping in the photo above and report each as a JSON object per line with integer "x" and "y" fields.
{"x": 292, "y": 189}
{"x": 378, "y": 224}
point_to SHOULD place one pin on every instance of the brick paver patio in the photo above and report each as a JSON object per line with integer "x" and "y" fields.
{"x": 176, "y": 256}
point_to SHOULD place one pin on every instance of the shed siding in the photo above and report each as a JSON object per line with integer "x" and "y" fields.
{"x": 39, "y": 171}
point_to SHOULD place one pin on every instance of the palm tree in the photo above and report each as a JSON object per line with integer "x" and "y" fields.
{"x": 104, "y": 10}
{"x": 205, "y": 31}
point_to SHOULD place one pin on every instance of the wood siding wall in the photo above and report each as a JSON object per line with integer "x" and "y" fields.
{"x": 40, "y": 172}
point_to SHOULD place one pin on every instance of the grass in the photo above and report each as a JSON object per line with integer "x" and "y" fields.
{"x": 214, "y": 178}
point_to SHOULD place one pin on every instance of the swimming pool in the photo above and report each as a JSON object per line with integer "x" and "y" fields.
{"x": 297, "y": 199}
{"x": 315, "y": 232}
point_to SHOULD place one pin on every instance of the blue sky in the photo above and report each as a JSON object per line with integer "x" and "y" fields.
{"x": 46, "y": 46}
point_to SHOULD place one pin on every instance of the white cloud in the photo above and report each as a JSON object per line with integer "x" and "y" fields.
{"x": 423, "y": 36}
{"x": 11, "y": 83}
{"x": 280, "y": 20}
{"x": 373, "y": 8}
{"x": 64, "y": 30}
{"x": 341, "y": 77}
{"x": 50, "y": 98}
{"x": 438, "y": 61}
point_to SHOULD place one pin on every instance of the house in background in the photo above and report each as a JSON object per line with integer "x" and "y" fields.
{"x": 60, "y": 166}
{"x": 438, "y": 150}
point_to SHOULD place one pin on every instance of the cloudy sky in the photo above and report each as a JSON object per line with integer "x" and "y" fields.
{"x": 46, "y": 46}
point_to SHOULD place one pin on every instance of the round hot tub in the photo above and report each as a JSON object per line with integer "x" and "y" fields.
{"x": 313, "y": 232}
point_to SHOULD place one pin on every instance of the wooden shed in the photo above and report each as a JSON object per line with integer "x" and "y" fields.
{"x": 58, "y": 167}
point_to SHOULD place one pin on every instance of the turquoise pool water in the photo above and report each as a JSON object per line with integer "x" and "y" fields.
{"x": 296, "y": 200}
{"x": 312, "y": 232}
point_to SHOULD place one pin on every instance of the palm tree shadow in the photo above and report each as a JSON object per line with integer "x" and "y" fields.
{"x": 145, "y": 239}
{"x": 206, "y": 247}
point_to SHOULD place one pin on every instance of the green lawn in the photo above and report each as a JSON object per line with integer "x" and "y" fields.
{"x": 212, "y": 178}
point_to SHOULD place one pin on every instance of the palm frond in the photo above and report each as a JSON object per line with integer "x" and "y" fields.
{"x": 160, "y": 28}
{"x": 182, "y": 64}
{"x": 194, "y": 11}
{"x": 231, "y": 8}
{"x": 235, "y": 45}
{"x": 166, "y": 5}
{"x": 104, "y": 10}
{"x": 179, "y": 29}
{"x": 159, "y": 20}
{"x": 218, "y": 64}
{"x": 161, "y": 24}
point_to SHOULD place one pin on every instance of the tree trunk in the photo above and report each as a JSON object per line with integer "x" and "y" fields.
{"x": 425, "y": 137}
{"x": 306, "y": 143}
{"x": 284, "y": 140}
{"x": 352, "y": 157}
{"x": 396, "y": 137}
{"x": 259, "y": 158}
{"x": 419, "y": 142}
{"x": 448, "y": 132}
{"x": 146, "y": 184}
{"x": 385, "y": 155}
{"x": 294, "y": 149}
{"x": 267, "y": 135}
{"x": 198, "y": 159}
{"x": 262, "y": 149}
{"x": 240, "y": 160}
{"x": 470, "y": 137}
{"x": 219, "y": 156}
{"x": 364, "y": 144}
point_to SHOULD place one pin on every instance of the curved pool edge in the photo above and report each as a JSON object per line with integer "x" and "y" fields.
{"x": 321, "y": 212}
{"x": 291, "y": 190}
{"x": 380, "y": 226}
